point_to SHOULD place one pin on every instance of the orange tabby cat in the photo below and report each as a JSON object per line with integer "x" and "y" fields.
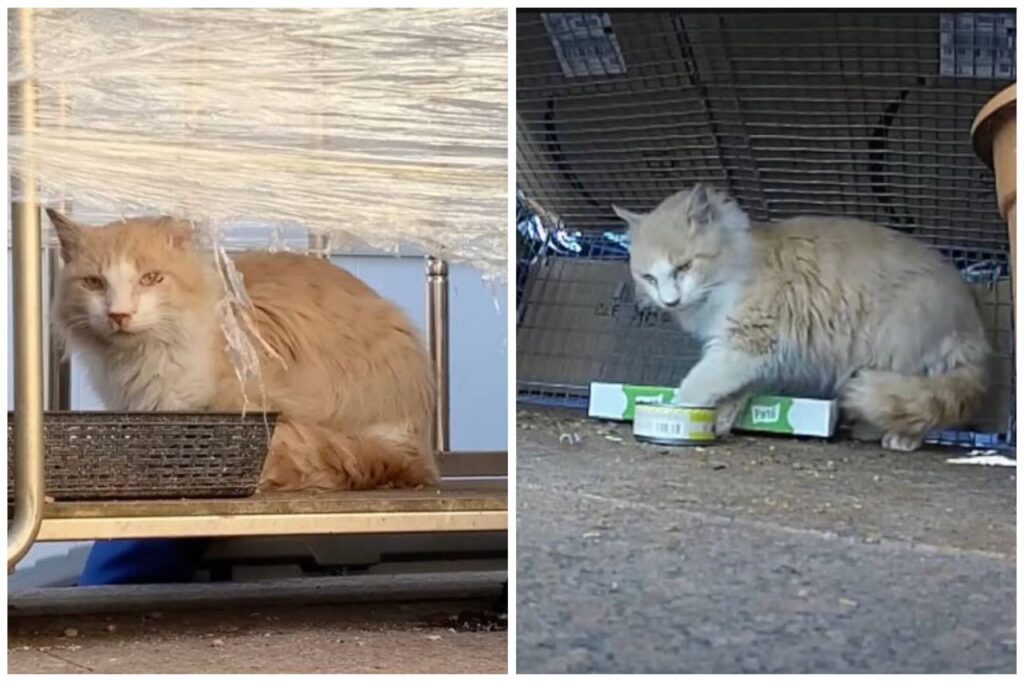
{"x": 344, "y": 367}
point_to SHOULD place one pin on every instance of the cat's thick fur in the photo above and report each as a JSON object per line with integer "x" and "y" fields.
{"x": 346, "y": 369}
{"x": 813, "y": 306}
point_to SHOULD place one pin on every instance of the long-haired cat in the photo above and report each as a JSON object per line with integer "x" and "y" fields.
{"x": 813, "y": 306}
{"x": 344, "y": 367}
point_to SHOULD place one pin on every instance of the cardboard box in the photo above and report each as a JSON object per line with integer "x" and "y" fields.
{"x": 792, "y": 416}
{"x": 619, "y": 401}
{"x": 768, "y": 414}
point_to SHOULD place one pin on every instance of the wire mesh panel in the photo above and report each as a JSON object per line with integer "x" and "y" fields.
{"x": 850, "y": 113}
{"x": 863, "y": 114}
{"x": 140, "y": 455}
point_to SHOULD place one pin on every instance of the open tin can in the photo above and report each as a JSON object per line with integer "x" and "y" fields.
{"x": 674, "y": 424}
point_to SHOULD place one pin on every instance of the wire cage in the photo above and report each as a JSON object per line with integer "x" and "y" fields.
{"x": 858, "y": 113}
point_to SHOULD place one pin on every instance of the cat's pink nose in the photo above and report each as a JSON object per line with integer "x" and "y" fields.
{"x": 119, "y": 318}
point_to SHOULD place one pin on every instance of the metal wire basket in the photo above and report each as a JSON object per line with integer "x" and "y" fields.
{"x": 118, "y": 455}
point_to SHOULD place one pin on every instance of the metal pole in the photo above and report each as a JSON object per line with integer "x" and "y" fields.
{"x": 28, "y": 330}
{"x": 317, "y": 244}
{"x": 437, "y": 340}
{"x": 58, "y": 366}
{"x": 58, "y": 369}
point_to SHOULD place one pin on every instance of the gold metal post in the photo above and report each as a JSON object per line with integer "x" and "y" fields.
{"x": 28, "y": 330}
{"x": 437, "y": 339}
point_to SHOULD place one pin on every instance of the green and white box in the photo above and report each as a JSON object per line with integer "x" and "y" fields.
{"x": 618, "y": 401}
{"x": 765, "y": 413}
{"x": 794, "y": 416}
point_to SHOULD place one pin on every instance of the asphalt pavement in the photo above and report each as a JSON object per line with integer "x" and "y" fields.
{"x": 772, "y": 555}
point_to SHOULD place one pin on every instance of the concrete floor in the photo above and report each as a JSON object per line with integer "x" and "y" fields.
{"x": 331, "y": 625}
{"x": 758, "y": 555}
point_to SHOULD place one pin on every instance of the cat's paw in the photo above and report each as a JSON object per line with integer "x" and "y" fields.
{"x": 900, "y": 442}
{"x": 723, "y": 428}
{"x": 728, "y": 414}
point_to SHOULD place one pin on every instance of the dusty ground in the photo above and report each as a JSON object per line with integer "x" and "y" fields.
{"x": 758, "y": 555}
{"x": 419, "y": 637}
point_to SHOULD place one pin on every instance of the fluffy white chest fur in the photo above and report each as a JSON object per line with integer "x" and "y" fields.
{"x": 156, "y": 376}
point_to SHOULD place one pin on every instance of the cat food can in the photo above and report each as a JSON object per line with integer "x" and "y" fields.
{"x": 674, "y": 424}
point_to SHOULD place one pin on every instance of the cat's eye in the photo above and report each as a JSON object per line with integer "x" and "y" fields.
{"x": 650, "y": 279}
{"x": 151, "y": 278}
{"x": 93, "y": 283}
{"x": 682, "y": 269}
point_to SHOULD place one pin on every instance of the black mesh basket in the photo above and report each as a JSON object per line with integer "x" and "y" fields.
{"x": 168, "y": 455}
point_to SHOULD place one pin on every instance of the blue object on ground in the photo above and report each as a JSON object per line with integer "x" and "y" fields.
{"x": 138, "y": 562}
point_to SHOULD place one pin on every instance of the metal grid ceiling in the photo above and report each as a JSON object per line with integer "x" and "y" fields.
{"x": 849, "y": 113}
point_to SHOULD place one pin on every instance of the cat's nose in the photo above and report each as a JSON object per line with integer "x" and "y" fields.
{"x": 118, "y": 318}
{"x": 671, "y": 304}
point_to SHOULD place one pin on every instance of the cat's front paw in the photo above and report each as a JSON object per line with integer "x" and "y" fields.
{"x": 727, "y": 415}
{"x": 723, "y": 427}
{"x": 900, "y": 442}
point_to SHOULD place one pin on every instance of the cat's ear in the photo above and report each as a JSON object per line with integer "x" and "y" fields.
{"x": 700, "y": 208}
{"x": 179, "y": 232}
{"x": 69, "y": 234}
{"x": 706, "y": 206}
{"x": 631, "y": 218}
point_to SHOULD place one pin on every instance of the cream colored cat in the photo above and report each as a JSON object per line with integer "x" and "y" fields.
{"x": 813, "y": 306}
{"x": 351, "y": 378}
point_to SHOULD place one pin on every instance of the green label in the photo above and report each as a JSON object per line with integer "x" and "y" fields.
{"x": 645, "y": 395}
{"x": 767, "y": 413}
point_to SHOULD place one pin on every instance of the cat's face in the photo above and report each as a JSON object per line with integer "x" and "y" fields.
{"x": 125, "y": 282}
{"x": 685, "y": 247}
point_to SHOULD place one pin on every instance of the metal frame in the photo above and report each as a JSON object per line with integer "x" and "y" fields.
{"x": 437, "y": 340}
{"x": 200, "y": 525}
{"x": 487, "y": 512}
{"x": 469, "y": 504}
{"x": 28, "y": 337}
{"x": 58, "y": 366}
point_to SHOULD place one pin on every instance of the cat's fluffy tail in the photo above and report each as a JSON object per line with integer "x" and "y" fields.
{"x": 912, "y": 406}
{"x": 310, "y": 456}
